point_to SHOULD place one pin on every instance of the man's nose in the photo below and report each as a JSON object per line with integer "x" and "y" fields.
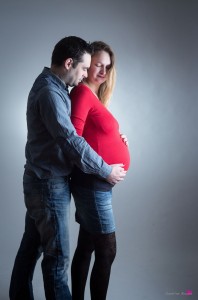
{"x": 85, "y": 74}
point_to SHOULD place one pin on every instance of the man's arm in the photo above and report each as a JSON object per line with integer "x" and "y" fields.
{"x": 55, "y": 116}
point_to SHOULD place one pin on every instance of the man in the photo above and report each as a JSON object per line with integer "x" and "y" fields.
{"x": 53, "y": 148}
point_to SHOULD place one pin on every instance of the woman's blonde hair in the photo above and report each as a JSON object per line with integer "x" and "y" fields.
{"x": 106, "y": 88}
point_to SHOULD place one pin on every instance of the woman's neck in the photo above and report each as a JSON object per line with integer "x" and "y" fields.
{"x": 92, "y": 87}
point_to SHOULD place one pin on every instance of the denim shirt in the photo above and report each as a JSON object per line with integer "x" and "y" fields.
{"x": 53, "y": 146}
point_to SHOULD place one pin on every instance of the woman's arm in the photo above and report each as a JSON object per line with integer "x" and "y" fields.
{"x": 80, "y": 106}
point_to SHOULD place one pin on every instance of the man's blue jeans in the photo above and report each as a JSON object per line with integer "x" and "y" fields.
{"x": 46, "y": 231}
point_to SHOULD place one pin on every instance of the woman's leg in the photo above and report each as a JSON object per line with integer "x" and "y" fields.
{"x": 95, "y": 214}
{"x": 105, "y": 251}
{"x": 81, "y": 263}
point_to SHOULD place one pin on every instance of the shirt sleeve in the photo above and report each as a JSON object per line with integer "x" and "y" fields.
{"x": 55, "y": 115}
{"x": 80, "y": 106}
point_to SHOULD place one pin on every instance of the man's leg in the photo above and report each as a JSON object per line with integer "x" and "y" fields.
{"x": 48, "y": 205}
{"x": 25, "y": 262}
{"x": 53, "y": 227}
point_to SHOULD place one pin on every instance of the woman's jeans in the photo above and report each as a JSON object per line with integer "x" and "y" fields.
{"x": 46, "y": 231}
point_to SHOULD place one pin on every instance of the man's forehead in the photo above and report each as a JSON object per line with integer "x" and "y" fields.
{"x": 86, "y": 58}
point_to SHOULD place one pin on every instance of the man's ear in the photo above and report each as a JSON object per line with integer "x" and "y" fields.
{"x": 68, "y": 63}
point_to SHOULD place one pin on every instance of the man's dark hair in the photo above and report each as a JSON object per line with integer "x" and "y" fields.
{"x": 70, "y": 47}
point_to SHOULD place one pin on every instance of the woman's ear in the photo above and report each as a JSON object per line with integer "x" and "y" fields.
{"x": 68, "y": 63}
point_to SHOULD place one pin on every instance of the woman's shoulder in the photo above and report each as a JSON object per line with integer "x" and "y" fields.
{"x": 83, "y": 94}
{"x": 80, "y": 88}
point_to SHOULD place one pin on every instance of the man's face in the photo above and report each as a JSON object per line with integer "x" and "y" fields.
{"x": 77, "y": 74}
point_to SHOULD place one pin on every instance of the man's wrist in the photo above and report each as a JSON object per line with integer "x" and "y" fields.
{"x": 106, "y": 171}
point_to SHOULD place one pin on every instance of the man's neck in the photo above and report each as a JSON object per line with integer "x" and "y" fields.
{"x": 59, "y": 72}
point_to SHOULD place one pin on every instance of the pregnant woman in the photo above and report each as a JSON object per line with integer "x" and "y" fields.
{"x": 93, "y": 195}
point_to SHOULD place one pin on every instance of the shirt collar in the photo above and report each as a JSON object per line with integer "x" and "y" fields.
{"x": 48, "y": 71}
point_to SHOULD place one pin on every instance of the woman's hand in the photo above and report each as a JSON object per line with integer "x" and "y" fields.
{"x": 124, "y": 139}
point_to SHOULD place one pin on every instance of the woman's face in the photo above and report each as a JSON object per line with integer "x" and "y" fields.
{"x": 100, "y": 65}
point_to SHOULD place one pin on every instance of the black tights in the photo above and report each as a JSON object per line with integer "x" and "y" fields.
{"x": 104, "y": 246}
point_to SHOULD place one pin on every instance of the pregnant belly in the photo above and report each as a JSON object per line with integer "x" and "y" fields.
{"x": 115, "y": 152}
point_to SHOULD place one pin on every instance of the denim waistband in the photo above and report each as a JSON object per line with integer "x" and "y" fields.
{"x": 35, "y": 177}
{"x": 90, "y": 181}
{"x": 30, "y": 173}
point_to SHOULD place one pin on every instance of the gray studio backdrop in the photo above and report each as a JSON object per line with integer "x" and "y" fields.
{"x": 155, "y": 101}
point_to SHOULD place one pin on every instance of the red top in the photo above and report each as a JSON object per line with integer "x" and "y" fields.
{"x": 97, "y": 125}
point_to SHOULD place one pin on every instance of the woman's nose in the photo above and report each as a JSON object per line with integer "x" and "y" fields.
{"x": 103, "y": 70}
